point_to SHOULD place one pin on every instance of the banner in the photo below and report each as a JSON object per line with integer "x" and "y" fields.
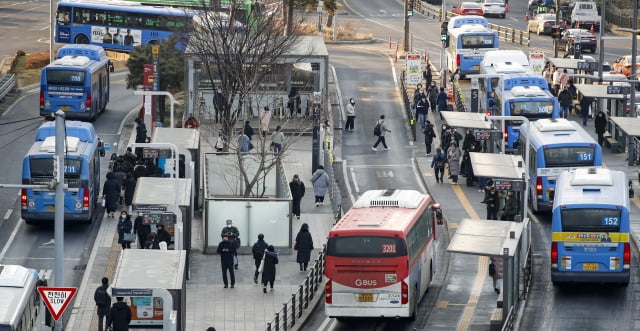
{"x": 414, "y": 68}
{"x": 536, "y": 61}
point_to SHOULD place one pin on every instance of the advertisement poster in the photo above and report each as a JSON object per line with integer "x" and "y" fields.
{"x": 106, "y": 35}
{"x": 146, "y": 311}
{"x": 414, "y": 69}
{"x": 536, "y": 61}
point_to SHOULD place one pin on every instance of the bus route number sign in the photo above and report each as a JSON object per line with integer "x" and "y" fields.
{"x": 482, "y": 135}
{"x": 610, "y": 221}
{"x": 503, "y": 185}
{"x": 388, "y": 248}
{"x": 154, "y": 153}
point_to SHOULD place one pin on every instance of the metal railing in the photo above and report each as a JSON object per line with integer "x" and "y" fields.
{"x": 459, "y": 97}
{"x": 411, "y": 115}
{"x": 334, "y": 189}
{"x": 507, "y": 34}
{"x": 7, "y": 82}
{"x": 292, "y": 310}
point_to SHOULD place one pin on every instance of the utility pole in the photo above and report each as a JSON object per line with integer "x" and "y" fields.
{"x": 406, "y": 25}
{"x": 58, "y": 180}
{"x": 601, "y": 41}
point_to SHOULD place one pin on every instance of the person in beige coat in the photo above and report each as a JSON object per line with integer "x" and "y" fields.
{"x": 496, "y": 272}
{"x": 265, "y": 118}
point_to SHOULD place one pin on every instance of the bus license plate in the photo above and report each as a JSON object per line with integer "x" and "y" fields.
{"x": 365, "y": 297}
{"x": 65, "y": 108}
{"x": 590, "y": 266}
{"x": 52, "y": 208}
{"x": 476, "y": 67}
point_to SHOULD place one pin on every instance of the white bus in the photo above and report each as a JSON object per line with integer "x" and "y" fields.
{"x": 19, "y": 298}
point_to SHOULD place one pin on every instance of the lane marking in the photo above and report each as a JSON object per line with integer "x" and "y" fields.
{"x": 8, "y": 214}
{"x": 356, "y": 188}
{"x": 11, "y": 238}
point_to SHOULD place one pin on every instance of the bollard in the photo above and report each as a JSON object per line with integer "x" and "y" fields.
{"x": 397, "y": 48}
{"x": 389, "y": 42}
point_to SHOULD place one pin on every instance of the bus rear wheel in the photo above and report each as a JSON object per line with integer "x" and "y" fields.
{"x": 82, "y": 39}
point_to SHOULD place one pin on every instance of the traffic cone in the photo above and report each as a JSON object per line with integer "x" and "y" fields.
{"x": 526, "y": 17}
{"x": 592, "y": 30}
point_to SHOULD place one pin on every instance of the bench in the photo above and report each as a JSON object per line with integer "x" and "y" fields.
{"x": 495, "y": 323}
{"x": 613, "y": 144}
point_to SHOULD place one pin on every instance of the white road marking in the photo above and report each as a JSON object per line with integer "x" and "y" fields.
{"x": 50, "y": 242}
{"x": 11, "y": 238}
{"x": 8, "y": 214}
{"x": 354, "y": 180}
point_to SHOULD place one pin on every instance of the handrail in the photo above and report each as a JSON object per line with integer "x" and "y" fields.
{"x": 505, "y": 33}
{"x": 7, "y": 83}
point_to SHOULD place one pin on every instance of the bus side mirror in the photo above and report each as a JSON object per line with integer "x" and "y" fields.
{"x": 437, "y": 213}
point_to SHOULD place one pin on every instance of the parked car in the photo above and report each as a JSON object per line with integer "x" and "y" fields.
{"x": 468, "y": 8}
{"x": 543, "y": 24}
{"x": 623, "y": 65}
{"x": 494, "y": 7}
{"x": 588, "y": 41}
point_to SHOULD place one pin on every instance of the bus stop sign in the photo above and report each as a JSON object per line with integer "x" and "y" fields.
{"x": 57, "y": 299}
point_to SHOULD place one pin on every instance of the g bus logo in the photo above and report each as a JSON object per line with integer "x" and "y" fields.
{"x": 366, "y": 282}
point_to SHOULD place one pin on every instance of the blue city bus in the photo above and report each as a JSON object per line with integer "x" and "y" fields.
{"x": 117, "y": 25}
{"x": 494, "y": 65}
{"x": 525, "y": 95}
{"x": 468, "y": 39}
{"x": 77, "y": 82}
{"x": 555, "y": 146}
{"x": 81, "y": 173}
{"x": 590, "y": 228}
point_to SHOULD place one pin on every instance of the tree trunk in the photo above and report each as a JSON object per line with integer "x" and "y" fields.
{"x": 329, "y": 20}
{"x": 289, "y": 17}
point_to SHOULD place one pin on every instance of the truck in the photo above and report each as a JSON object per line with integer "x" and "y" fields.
{"x": 584, "y": 15}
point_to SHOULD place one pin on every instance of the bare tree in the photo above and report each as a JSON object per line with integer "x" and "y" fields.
{"x": 237, "y": 47}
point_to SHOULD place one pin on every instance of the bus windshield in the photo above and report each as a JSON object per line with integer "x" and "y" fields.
{"x": 592, "y": 220}
{"x": 65, "y": 77}
{"x": 577, "y": 156}
{"x": 43, "y": 167}
{"x": 366, "y": 247}
{"x": 531, "y": 108}
{"x": 477, "y": 41}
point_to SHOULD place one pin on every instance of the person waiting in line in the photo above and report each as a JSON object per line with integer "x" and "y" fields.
{"x": 233, "y": 234}
{"x": 510, "y": 209}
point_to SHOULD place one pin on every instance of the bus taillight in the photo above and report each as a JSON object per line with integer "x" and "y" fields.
{"x": 404, "y": 293}
{"x": 85, "y": 199}
{"x": 458, "y": 60}
{"x": 41, "y": 100}
{"x": 506, "y": 134}
{"x": 88, "y": 103}
{"x": 23, "y": 198}
{"x": 327, "y": 293}
{"x": 554, "y": 254}
{"x": 627, "y": 255}
{"x": 539, "y": 186}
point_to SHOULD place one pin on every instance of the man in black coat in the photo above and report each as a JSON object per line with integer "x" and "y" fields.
{"x": 103, "y": 302}
{"x": 297, "y": 192}
{"x": 227, "y": 251}
{"x": 258, "y": 252}
{"x": 142, "y": 229}
{"x": 248, "y": 130}
{"x": 234, "y": 236}
{"x": 163, "y": 235}
{"x": 120, "y": 315}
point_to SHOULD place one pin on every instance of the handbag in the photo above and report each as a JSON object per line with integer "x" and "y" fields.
{"x": 295, "y": 246}
{"x": 130, "y": 237}
{"x": 103, "y": 202}
{"x": 261, "y": 267}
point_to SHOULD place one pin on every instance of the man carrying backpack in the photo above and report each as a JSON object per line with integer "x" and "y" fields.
{"x": 103, "y": 301}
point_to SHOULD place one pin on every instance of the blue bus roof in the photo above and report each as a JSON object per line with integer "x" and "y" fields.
{"x": 73, "y": 62}
{"x": 458, "y": 21}
{"x": 82, "y": 130}
{"x": 555, "y": 131}
{"x": 592, "y": 186}
{"x": 127, "y": 7}
{"x": 93, "y": 52}
{"x": 526, "y": 79}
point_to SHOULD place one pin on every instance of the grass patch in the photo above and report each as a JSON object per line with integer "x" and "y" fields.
{"x": 26, "y": 73}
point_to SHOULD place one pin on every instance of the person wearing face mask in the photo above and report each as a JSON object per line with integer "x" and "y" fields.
{"x": 351, "y": 115}
{"x": 124, "y": 226}
{"x": 233, "y": 234}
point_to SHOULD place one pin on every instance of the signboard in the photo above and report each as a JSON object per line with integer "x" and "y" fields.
{"x": 586, "y": 66}
{"x": 617, "y": 89}
{"x": 577, "y": 43}
{"x": 482, "y": 135}
{"x": 131, "y": 292}
{"x": 145, "y": 308}
{"x": 503, "y": 185}
{"x": 474, "y": 95}
{"x": 154, "y": 215}
{"x": 154, "y": 153}
{"x": 414, "y": 68}
{"x": 536, "y": 61}
{"x": 57, "y": 299}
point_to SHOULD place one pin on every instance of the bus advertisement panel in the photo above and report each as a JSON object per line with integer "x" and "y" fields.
{"x": 590, "y": 228}
{"x": 380, "y": 255}
{"x": 555, "y": 146}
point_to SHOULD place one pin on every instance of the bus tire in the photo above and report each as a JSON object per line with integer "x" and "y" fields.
{"x": 81, "y": 39}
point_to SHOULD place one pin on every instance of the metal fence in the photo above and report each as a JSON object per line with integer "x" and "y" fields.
{"x": 619, "y": 17}
{"x": 459, "y": 97}
{"x": 411, "y": 114}
{"x": 7, "y": 82}
{"x": 506, "y": 34}
{"x": 292, "y": 310}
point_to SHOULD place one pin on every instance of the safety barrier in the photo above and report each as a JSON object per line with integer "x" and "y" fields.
{"x": 7, "y": 83}
{"x": 506, "y": 34}
{"x": 291, "y": 311}
{"x": 411, "y": 115}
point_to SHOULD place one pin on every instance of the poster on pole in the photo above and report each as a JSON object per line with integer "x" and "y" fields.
{"x": 536, "y": 61}
{"x": 414, "y": 68}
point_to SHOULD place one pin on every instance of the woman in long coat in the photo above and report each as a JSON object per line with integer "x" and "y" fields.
{"x": 124, "y": 226}
{"x": 496, "y": 272}
{"x": 297, "y": 192}
{"x": 111, "y": 194}
{"x": 304, "y": 245}
{"x": 129, "y": 188}
{"x": 269, "y": 268}
{"x": 320, "y": 181}
{"x": 453, "y": 159}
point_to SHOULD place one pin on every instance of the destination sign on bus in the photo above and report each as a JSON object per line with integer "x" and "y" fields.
{"x": 154, "y": 153}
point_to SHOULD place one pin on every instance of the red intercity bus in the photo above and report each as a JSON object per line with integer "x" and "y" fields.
{"x": 380, "y": 255}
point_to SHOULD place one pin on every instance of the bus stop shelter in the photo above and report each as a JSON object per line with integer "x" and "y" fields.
{"x": 478, "y": 122}
{"x": 629, "y": 127}
{"x": 611, "y": 104}
{"x": 501, "y": 240}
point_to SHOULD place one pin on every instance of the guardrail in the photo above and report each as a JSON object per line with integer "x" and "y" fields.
{"x": 291, "y": 311}
{"x": 411, "y": 114}
{"x": 7, "y": 83}
{"x": 504, "y": 33}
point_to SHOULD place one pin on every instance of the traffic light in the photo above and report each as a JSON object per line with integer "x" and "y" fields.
{"x": 409, "y": 7}
{"x": 444, "y": 36}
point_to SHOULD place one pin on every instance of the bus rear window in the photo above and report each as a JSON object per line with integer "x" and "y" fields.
{"x": 477, "y": 41}
{"x": 532, "y": 108}
{"x": 65, "y": 77}
{"x": 43, "y": 167}
{"x": 366, "y": 246}
{"x": 592, "y": 220}
{"x": 579, "y": 156}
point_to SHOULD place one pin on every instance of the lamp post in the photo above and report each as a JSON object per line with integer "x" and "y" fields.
{"x": 634, "y": 48}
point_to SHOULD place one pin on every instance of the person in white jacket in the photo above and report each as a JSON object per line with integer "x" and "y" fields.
{"x": 351, "y": 115}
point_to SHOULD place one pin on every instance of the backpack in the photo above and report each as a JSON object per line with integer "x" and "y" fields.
{"x": 101, "y": 297}
{"x": 377, "y": 130}
{"x": 439, "y": 162}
